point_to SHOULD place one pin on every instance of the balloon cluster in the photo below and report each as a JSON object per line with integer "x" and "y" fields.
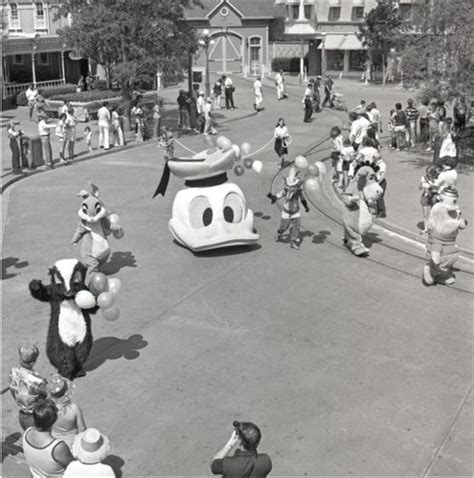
{"x": 242, "y": 152}
{"x": 103, "y": 292}
{"x": 115, "y": 227}
{"x": 314, "y": 172}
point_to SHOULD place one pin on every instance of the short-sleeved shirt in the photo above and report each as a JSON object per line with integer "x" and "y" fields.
{"x": 411, "y": 113}
{"x": 240, "y": 464}
{"x": 78, "y": 469}
{"x": 28, "y": 387}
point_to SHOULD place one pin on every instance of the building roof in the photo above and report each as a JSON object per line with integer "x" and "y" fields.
{"x": 248, "y": 8}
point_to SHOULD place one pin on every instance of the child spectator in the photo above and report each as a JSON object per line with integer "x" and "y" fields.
{"x": 391, "y": 130}
{"x": 167, "y": 141}
{"x": 448, "y": 175}
{"x": 400, "y": 122}
{"x": 156, "y": 120}
{"x": 292, "y": 193}
{"x": 412, "y": 115}
{"x": 427, "y": 184}
{"x": 336, "y": 149}
{"x": 348, "y": 156}
{"x": 88, "y": 138}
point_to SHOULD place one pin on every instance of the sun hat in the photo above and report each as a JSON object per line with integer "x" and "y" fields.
{"x": 90, "y": 446}
{"x": 28, "y": 353}
{"x": 61, "y": 389}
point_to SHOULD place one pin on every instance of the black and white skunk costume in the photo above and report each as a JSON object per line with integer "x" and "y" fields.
{"x": 69, "y": 334}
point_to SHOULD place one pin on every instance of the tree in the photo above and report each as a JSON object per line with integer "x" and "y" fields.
{"x": 380, "y": 31}
{"x": 132, "y": 39}
{"x": 439, "y": 48}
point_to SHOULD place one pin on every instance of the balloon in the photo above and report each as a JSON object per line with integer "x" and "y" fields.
{"x": 111, "y": 314}
{"x": 118, "y": 234}
{"x": 114, "y": 218}
{"x": 105, "y": 300}
{"x": 84, "y": 299}
{"x": 238, "y": 153}
{"x": 313, "y": 170}
{"x": 224, "y": 143}
{"x": 246, "y": 148}
{"x": 257, "y": 166}
{"x": 239, "y": 170}
{"x": 98, "y": 283}
{"x": 248, "y": 163}
{"x": 322, "y": 167}
{"x": 114, "y": 285}
{"x": 312, "y": 184}
{"x": 301, "y": 162}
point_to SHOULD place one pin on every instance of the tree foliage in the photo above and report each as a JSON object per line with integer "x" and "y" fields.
{"x": 132, "y": 39}
{"x": 439, "y": 47}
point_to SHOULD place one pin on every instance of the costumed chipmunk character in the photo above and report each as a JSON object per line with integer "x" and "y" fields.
{"x": 362, "y": 191}
{"x": 443, "y": 225}
{"x": 211, "y": 213}
{"x": 69, "y": 338}
{"x": 96, "y": 224}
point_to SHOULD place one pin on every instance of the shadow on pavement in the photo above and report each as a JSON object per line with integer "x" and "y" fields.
{"x": 8, "y": 262}
{"x": 371, "y": 238}
{"x": 9, "y": 446}
{"x": 118, "y": 260}
{"x": 116, "y": 463}
{"x": 261, "y": 215}
{"x": 320, "y": 237}
{"x": 227, "y": 251}
{"x": 113, "y": 348}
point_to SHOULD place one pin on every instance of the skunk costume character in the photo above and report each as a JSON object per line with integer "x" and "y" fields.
{"x": 69, "y": 338}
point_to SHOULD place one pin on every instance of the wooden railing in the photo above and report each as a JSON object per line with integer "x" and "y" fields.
{"x": 11, "y": 90}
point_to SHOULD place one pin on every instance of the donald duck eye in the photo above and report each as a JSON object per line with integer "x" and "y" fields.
{"x": 233, "y": 208}
{"x": 200, "y": 212}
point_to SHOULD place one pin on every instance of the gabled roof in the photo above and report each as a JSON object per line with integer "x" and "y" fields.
{"x": 247, "y": 8}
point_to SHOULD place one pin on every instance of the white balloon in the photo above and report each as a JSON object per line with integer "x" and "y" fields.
{"x": 85, "y": 300}
{"x": 238, "y": 153}
{"x": 114, "y": 218}
{"x": 312, "y": 184}
{"x": 257, "y": 166}
{"x": 224, "y": 143}
{"x": 322, "y": 168}
{"x": 301, "y": 162}
{"x": 246, "y": 148}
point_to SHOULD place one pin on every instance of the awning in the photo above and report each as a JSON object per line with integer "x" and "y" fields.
{"x": 358, "y": 3}
{"x": 342, "y": 42}
{"x": 334, "y": 3}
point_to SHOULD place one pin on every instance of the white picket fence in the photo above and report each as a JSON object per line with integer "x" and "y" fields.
{"x": 11, "y": 90}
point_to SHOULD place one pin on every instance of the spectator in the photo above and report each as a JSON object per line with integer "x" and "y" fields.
{"x": 217, "y": 91}
{"x": 360, "y": 108}
{"x": 400, "y": 124}
{"x": 208, "y": 126}
{"x": 412, "y": 115}
{"x": 280, "y": 86}
{"x": 61, "y": 133}
{"x": 103, "y": 116}
{"x": 308, "y": 103}
{"x": 193, "y": 111}
{"x": 117, "y": 127}
{"x": 27, "y": 386}
{"x": 367, "y": 152}
{"x": 71, "y": 122}
{"x": 348, "y": 156}
{"x": 246, "y": 461}
{"x": 281, "y": 136}
{"x": 229, "y": 90}
{"x": 359, "y": 127}
{"x": 434, "y": 119}
{"x": 427, "y": 183}
{"x": 328, "y": 85}
{"x": 380, "y": 208}
{"x": 184, "y": 110}
{"x": 44, "y": 134}
{"x": 375, "y": 117}
{"x": 70, "y": 419}
{"x": 447, "y": 145}
{"x": 460, "y": 114}
{"x": 201, "y": 104}
{"x": 423, "y": 112}
{"x": 336, "y": 151}
{"x": 46, "y": 456}
{"x": 156, "y": 120}
{"x": 64, "y": 108}
{"x": 167, "y": 141}
{"x": 31, "y": 94}
{"x": 88, "y": 138}
{"x": 258, "y": 94}
{"x": 14, "y": 136}
{"x": 91, "y": 448}
{"x": 81, "y": 84}
{"x": 40, "y": 103}
{"x": 448, "y": 175}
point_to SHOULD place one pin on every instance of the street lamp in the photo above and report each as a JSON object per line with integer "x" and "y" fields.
{"x": 323, "y": 53}
{"x": 205, "y": 40}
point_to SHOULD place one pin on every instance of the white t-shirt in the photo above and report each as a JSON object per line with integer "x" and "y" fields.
{"x": 78, "y": 469}
{"x": 279, "y": 79}
{"x": 103, "y": 115}
{"x": 359, "y": 129}
{"x": 31, "y": 95}
{"x": 257, "y": 87}
{"x": 281, "y": 132}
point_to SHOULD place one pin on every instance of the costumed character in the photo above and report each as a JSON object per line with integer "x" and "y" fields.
{"x": 211, "y": 213}
{"x": 362, "y": 192}
{"x": 96, "y": 224}
{"x": 69, "y": 338}
{"x": 292, "y": 193}
{"x": 443, "y": 225}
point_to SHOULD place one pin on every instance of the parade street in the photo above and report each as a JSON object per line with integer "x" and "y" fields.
{"x": 350, "y": 366}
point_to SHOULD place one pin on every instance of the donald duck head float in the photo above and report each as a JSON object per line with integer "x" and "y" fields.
{"x": 211, "y": 213}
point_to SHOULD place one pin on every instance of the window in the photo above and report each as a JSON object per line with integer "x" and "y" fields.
{"x": 308, "y": 11}
{"x": 357, "y": 59}
{"x": 295, "y": 12}
{"x": 255, "y": 53}
{"x": 43, "y": 59}
{"x": 334, "y": 13}
{"x": 335, "y": 60}
{"x": 40, "y": 19}
{"x": 39, "y": 9}
{"x": 18, "y": 59}
{"x": 357, "y": 14}
{"x": 14, "y": 19}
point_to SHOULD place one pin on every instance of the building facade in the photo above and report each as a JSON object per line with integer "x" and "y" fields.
{"x": 32, "y": 50}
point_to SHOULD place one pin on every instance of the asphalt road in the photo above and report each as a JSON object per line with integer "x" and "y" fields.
{"x": 349, "y": 366}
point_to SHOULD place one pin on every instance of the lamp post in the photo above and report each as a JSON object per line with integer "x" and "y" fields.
{"x": 323, "y": 53}
{"x": 205, "y": 41}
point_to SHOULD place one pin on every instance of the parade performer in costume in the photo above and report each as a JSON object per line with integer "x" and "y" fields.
{"x": 69, "y": 338}
{"x": 212, "y": 213}
{"x": 357, "y": 219}
{"x": 443, "y": 226}
{"x": 292, "y": 193}
{"x": 96, "y": 224}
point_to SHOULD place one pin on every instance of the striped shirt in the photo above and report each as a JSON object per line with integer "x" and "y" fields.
{"x": 412, "y": 113}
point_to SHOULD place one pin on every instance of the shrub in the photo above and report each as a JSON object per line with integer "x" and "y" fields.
{"x": 47, "y": 92}
{"x": 100, "y": 85}
{"x": 86, "y": 96}
{"x": 288, "y": 64}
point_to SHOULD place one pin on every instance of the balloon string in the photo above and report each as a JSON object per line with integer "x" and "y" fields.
{"x": 184, "y": 147}
{"x": 259, "y": 150}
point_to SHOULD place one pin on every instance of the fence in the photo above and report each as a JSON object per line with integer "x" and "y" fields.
{"x": 11, "y": 90}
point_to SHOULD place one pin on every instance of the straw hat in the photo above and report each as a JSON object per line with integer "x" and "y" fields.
{"x": 90, "y": 446}
{"x": 61, "y": 389}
